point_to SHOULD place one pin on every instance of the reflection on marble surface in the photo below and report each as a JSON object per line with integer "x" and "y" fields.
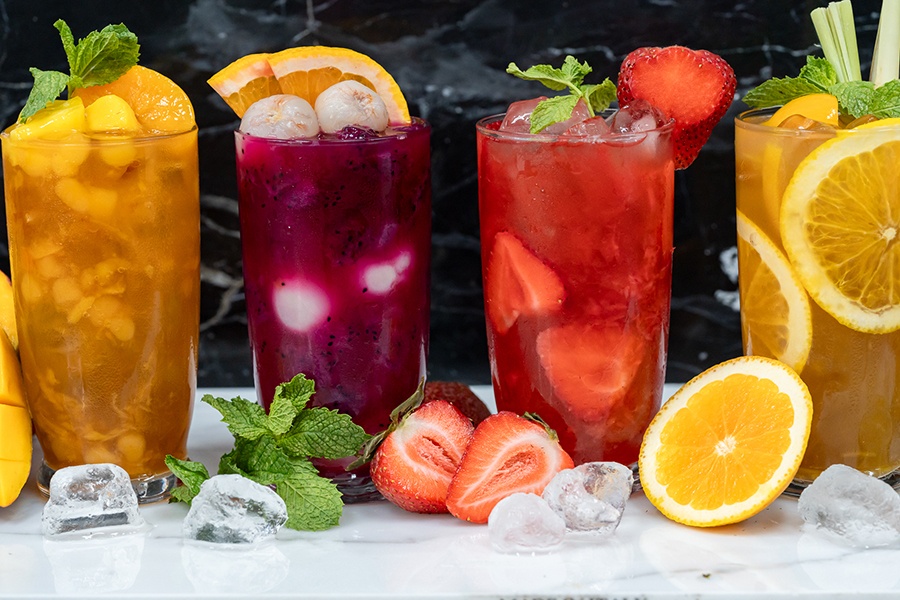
{"x": 228, "y": 570}
{"x": 86, "y": 567}
{"x": 449, "y": 59}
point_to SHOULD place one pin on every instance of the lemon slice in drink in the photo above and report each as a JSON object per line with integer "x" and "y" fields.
{"x": 775, "y": 313}
{"x": 727, "y": 443}
{"x": 840, "y": 226}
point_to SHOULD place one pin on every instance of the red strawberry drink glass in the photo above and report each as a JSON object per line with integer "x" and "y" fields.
{"x": 336, "y": 234}
{"x": 576, "y": 232}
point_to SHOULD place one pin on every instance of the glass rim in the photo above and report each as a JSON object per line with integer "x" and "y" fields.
{"x": 88, "y": 139}
{"x": 422, "y": 127}
{"x": 741, "y": 121}
{"x": 481, "y": 127}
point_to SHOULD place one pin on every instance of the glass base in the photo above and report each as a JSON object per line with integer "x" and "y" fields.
{"x": 796, "y": 487}
{"x": 356, "y": 488}
{"x": 152, "y": 488}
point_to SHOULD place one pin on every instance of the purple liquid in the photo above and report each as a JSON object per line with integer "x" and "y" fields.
{"x": 336, "y": 252}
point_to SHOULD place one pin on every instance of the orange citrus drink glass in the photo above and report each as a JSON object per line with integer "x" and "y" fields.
{"x": 104, "y": 243}
{"x": 817, "y": 224}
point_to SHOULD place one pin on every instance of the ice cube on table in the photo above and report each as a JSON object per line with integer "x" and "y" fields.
{"x": 591, "y": 497}
{"x": 300, "y": 305}
{"x": 525, "y": 523}
{"x": 282, "y": 117}
{"x": 856, "y": 508}
{"x": 90, "y": 497}
{"x": 639, "y": 116}
{"x": 231, "y": 509}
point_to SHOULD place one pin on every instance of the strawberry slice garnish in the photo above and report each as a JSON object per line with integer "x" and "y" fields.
{"x": 415, "y": 462}
{"x": 694, "y": 87}
{"x": 518, "y": 283}
{"x": 589, "y": 368}
{"x": 507, "y": 454}
{"x": 459, "y": 395}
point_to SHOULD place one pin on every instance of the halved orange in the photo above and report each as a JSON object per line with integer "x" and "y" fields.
{"x": 305, "y": 71}
{"x": 727, "y": 443}
{"x": 160, "y": 106}
{"x": 245, "y": 81}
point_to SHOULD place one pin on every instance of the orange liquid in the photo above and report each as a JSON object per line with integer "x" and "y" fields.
{"x": 852, "y": 376}
{"x": 105, "y": 253}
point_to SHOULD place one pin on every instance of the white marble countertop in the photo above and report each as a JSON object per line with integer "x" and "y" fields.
{"x": 380, "y": 551}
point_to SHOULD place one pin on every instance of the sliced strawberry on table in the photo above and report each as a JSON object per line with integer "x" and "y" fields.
{"x": 694, "y": 87}
{"x": 519, "y": 283}
{"x": 415, "y": 461}
{"x": 459, "y": 395}
{"x": 590, "y": 368}
{"x": 507, "y": 454}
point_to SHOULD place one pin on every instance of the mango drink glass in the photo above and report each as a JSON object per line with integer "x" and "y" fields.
{"x": 105, "y": 252}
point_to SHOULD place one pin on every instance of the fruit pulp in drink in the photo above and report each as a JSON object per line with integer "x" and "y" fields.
{"x": 576, "y": 236}
{"x": 104, "y": 238}
{"x": 336, "y": 253}
{"x": 851, "y": 375}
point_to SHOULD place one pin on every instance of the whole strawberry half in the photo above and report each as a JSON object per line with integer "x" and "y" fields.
{"x": 507, "y": 454}
{"x": 459, "y": 395}
{"x": 415, "y": 462}
{"x": 694, "y": 87}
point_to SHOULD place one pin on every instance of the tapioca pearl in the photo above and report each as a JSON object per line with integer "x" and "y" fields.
{"x": 382, "y": 277}
{"x": 300, "y": 306}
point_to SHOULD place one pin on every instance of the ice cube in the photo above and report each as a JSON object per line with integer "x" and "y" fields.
{"x": 282, "y": 117}
{"x": 580, "y": 113}
{"x": 593, "y": 126}
{"x": 88, "y": 497}
{"x": 525, "y": 523}
{"x": 380, "y": 278}
{"x": 231, "y": 509}
{"x": 349, "y": 103}
{"x": 591, "y": 497}
{"x": 300, "y": 305}
{"x": 852, "y": 507}
{"x": 518, "y": 115}
{"x": 637, "y": 117}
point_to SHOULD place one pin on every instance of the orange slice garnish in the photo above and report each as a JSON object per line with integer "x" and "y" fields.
{"x": 245, "y": 81}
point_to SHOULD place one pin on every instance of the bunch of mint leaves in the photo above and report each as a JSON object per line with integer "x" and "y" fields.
{"x": 818, "y": 76}
{"x": 570, "y": 76}
{"x": 100, "y": 58}
{"x": 275, "y": 449}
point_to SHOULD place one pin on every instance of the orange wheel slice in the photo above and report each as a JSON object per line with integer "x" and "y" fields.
{"x": 308, "y": 70}
{"x": 245, "y": 81}
{"x": 727, "y": 443}
{"x": 161, "y": 107}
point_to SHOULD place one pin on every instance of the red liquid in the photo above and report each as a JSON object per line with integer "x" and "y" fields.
{"x": 576, "y": 255}
{"x": 336, "y": 250}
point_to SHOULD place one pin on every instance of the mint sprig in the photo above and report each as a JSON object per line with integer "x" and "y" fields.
{"x": 276, "y": 448}
{"x": 100, "y": 58}
{"x": 570, "y": 76}
{"x": 855, "y": 98}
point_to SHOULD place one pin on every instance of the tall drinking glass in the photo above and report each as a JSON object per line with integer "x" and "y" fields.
{"x": 104, "y": 237}
{"x": 336, "y": 252}
{"x": 852, "y": 374}
{"x": 576, "y": 236}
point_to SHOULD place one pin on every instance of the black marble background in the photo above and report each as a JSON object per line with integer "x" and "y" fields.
{"x": 449, "y": 57}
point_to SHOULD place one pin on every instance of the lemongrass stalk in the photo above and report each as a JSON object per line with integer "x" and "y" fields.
{"x": 886, "y": 56}
{"x": 842, "y": 18}
{"x": 827, "y": 41}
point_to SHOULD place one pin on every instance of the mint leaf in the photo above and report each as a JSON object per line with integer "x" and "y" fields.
{"x": 854, "y": 97}
{"x": 819, "y": 72}
{"x": 552, "y": 110}
{"x": 298, "y": 390}
{"x": 552, "y": 78}
{"x": 244, "y": 418}
{"x": 281, "y": 415}
{"x": 48, "y": 85}
{"x": 778, "y": 92}
{"x": 600, "y": 96}
{"x": 103, "y": 57}
{"x": 313, "y": 503}
{"x": 886, "y": 100}
{"x": 68, "y": 41}
{"x": 192, "y": 474}
{"x": 324, "y": 433}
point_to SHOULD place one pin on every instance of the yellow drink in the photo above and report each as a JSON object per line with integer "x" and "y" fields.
{"x": 852, "y": 374}
{"x": 105, "y": 251}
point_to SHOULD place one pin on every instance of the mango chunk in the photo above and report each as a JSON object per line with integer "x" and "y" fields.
{"x": 15, "y": 451}
{"x": 58, "y": 120}
{"x": 111, "y": 114}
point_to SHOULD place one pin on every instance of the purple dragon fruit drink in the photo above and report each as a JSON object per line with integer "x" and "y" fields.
{"x": 335, "y": 232}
